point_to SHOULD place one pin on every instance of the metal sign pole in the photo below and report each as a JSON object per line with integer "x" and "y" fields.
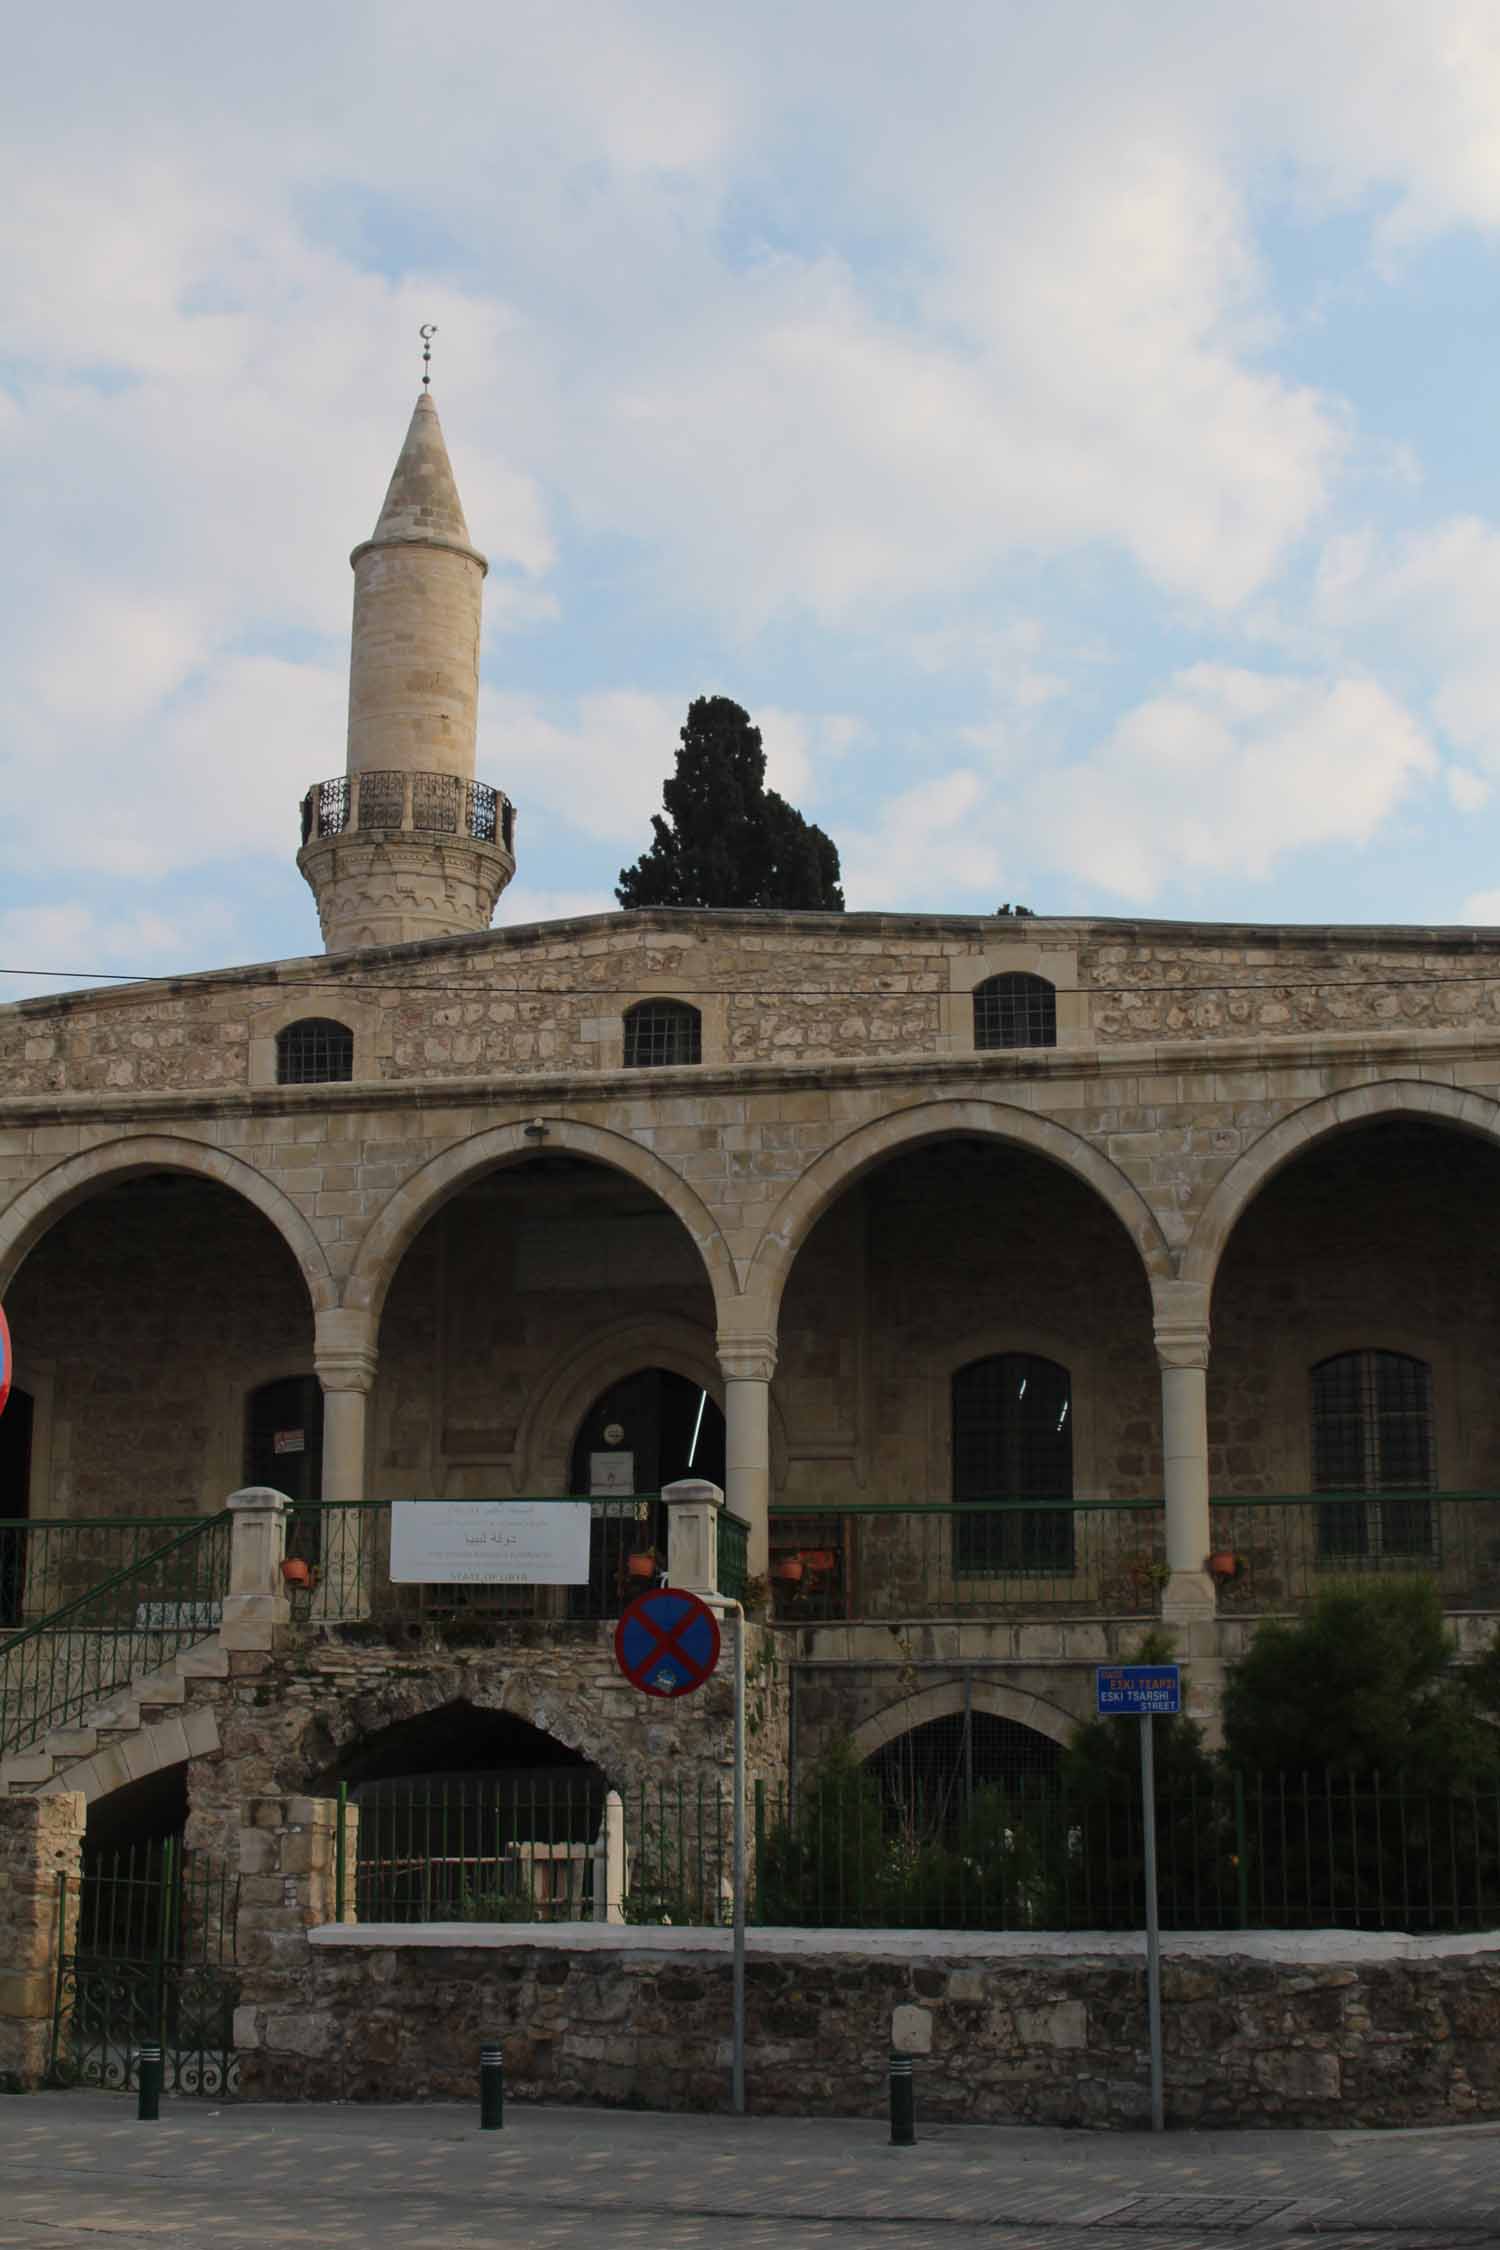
{"x": 1153, "y": 1927}
{"x": 739, "y": 1860}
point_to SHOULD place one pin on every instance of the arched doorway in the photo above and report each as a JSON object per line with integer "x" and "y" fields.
{"x": 467, "y": 1814}
{"x": 647, "y": 1430}
{"x": 929, "y": 1777}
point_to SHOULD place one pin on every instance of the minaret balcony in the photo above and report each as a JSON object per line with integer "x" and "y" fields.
{"x": 422, "y": 804}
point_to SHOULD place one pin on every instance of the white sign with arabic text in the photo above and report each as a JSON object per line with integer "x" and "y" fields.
{"x": 489, "y": 1543}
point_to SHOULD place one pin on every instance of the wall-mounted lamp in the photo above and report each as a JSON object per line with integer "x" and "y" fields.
{"x": 536, "y": 1130}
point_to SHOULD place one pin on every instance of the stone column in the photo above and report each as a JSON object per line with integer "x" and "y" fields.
{"x": 41, "y": 1841}
{"x": 344, "y": 1353}
{"x": 287, "y": 1887}
{"x": 693, "y": 1505}
{"x": 1182, "y": 1342}
{"x": 256, "y": 1602}
{"x": 748, "y": 1363}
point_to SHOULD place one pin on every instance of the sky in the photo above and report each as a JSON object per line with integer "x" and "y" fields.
{"x": 1067, "y": 428}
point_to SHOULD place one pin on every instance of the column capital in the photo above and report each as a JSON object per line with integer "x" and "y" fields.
{"x": 345, "y": 1348}
{"x": 1181, "y": 1345}
{"x": 747, "y": 1358}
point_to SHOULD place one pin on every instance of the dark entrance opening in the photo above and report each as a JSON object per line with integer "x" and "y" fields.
{"x": 668, "y": 1427}
{"x": 930, "y": 1776}
{"x": 284, "y": 1449}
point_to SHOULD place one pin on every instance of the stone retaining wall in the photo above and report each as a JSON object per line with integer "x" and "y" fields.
{"x": 1324, "y": 2029}
{"x": 40, "y": 1843}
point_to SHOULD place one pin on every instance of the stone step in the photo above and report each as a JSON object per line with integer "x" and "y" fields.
{"x": 208, "y": 1661}
{"x": 25, "y": 1768}
{"x": 71, "y": 1742}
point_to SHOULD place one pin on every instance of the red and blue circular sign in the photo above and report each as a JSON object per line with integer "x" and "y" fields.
{"x": 667, "y": 1642}
{"x": 6, "y": 1361}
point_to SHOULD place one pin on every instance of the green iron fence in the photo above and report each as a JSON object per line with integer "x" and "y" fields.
{"x": 146, "y": 1952}
{"x": 124, "y": 1628}
{"x": 1241, "y": 1852}
{"x": 47, "y": 1563}
{"x": 970, "y": 1558}
{"x": 474, "y": 1848}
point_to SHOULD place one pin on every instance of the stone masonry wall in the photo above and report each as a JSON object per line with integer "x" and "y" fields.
{"x": 1022, "y": 2031}
{"x": 285, "y": 1721}
{"x": 772, "y": 988}
{"x": 40, "y": 1844}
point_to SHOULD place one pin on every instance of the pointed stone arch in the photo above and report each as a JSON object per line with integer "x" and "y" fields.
{"x": 1281, "y": 1144}
{"x": 24, "y": 1221}
{"x": 868, "y": 1145}
{"x": 946, "y": 1701}
{"x": 398, "y": 1224}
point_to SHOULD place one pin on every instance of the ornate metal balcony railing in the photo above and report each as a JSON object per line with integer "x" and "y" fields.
{"x": 426, "y": 804}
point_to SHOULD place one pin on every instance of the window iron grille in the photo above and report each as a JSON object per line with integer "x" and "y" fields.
{"x": 659, "y": 1032}
{"x": 314, "y": 1052}
{"x": 1015, "y": 1011}
{"x": 1372, "y": 1433}
{"x": 1013, "y": 1440}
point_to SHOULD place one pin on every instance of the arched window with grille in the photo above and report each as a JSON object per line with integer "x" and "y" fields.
{"x": 1012, "y": 1442}
{"x": 662, "y": 1031}
{"x": 1015, "y": 1011}
{"x": 1372, "y": 1436}
{"x": 314, "y": 1052}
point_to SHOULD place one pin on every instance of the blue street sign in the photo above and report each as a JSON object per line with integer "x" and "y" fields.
{"x": 1138, "y": 1691}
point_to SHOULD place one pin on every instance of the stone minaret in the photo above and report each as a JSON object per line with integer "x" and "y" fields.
{"x": 406, "y": 843}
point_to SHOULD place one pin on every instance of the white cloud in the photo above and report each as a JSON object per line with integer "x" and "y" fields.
{"x": 1224, "y": 774}
{"x": 1483, "y": 907}
{"x": 932, "y": 848}
{"x": 71, "y": 937}
{"x": 1469, "y": 791}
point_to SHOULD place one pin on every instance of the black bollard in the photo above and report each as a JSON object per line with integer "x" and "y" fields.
{"x": 903, "y": 2102}
{"x": 491, "y": 2088}
{"x": 148, "y": 2099}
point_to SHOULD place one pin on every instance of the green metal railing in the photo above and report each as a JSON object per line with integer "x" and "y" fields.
{"x": 970, "y": 1558}
{"x": 1277, "y": 1551}
{"x": 45, "y": 1563}
{"x": 129, "y": 1625}
{"x": 1241, "y": 1851}
{"x": 147, "y": 1951}
{"x": 345, "y": 1548}
{"x": 734, "y": 1555}
{"x": 474, "y": 1848}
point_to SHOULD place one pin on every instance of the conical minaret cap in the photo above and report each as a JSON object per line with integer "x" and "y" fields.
{"x": 422, "y": 502}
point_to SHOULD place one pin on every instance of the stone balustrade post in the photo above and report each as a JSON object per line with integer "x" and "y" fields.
{"x": 693, "y": 1505}
{"x": 748, "y": 1363}
{"x": 609, "y": 1861}
{"x": 1182, "y": 1347}
{"x": 256, "y": 1603}
{"x": 41, "y": 1849}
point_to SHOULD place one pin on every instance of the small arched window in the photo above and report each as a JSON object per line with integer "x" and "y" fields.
{"x": 1372, "y": 1434}
{"x": 1013, "y": 1442}
{"x": 1015, "y": 1011}
{"x": 314, "y": 1052}
{"x": 662, "y": 1031}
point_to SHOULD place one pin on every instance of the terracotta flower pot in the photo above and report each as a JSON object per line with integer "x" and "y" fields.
{"x": 295, "y": 1572}
{"x": 1224, "y": 1565}
{"x": 641, "y": 1565}
{"x": 788, "y": 1570}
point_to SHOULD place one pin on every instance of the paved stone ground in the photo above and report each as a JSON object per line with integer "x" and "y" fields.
{"x": 77, "y": 2171}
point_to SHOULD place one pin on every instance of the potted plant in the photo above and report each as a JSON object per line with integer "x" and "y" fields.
{"x": 1224, "y": 1564}
{"x": 641, "y": 1562}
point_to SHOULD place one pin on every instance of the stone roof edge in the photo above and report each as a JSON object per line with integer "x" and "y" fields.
{"x": 314, "y": 968}
{"x": 930, "y": 1077}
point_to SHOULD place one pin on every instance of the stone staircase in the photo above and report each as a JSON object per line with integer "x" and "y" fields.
{"x": 129, "y": 1734}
